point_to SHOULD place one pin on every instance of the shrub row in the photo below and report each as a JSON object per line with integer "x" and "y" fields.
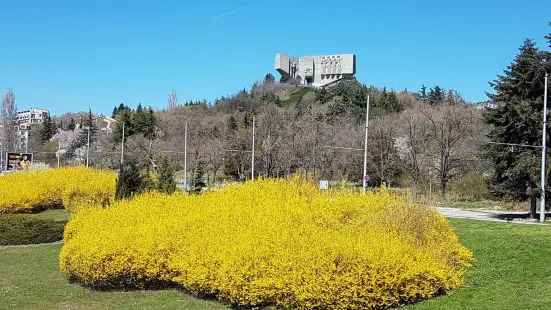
{"x": 32, "y": 191}
{"x": 16, "y": 229}
{"x": 271, "y": 242}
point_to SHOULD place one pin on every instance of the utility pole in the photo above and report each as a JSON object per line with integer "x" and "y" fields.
{"x": 88, "y": 146}
{"x": 252, "y": 155}
{"x": 59, "y": 149}
{"x": 122, "y": 144}
{"x": 185, "y": 157}
{"x": 543, "y": 153}
{"x": 364, "y": 183}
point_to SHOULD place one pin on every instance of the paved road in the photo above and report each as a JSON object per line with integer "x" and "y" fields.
{"x": 487, "y": 215}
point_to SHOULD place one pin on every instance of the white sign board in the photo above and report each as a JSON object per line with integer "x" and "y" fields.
{"x": 324, "y": 185}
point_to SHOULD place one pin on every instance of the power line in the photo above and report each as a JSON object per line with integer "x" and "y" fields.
{"x": 515, "y": 144}
{"x": 342, "y": 148}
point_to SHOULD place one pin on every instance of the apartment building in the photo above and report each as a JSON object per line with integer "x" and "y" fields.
{"x": 26, "y": 121}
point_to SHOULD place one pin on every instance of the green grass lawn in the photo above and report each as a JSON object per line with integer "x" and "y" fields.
{"x": 513, "y": 271}
{"x": 30, "y": 279}
{"x": 58, "y": 215}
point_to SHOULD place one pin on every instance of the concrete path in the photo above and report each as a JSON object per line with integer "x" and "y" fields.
{"x": 489, "y": 215}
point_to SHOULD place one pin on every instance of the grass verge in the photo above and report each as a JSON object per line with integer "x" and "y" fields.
{"x": 56, "y": 215}
{"x": 512, "y": 269}
{"x": 31, "y": 280}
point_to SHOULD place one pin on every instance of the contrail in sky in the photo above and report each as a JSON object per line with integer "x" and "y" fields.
{"x": 228, "y": 13}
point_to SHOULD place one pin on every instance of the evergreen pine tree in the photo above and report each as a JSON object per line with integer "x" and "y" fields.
{"x": 231, "y": 158}
{"x": 117, "y": 110}
{"x": 144, "y": 122}
{"x": 423, "y": 93}
{"x": 269, "y": 78}
{"x": 71, "y": 125}
{"x": 167, "y": 183}
{"x": 388, "y": 102}
{"x": 148, "y": 175}
{"x": 451, "y": 97}
{"x": 124, "y": 118}
{"x": 247, "y": 120}
{"x": 139, "y": 119}
{"x": 322, "y": 95}
{"x": 88, "y": 125}
{"x": 198, "y": 178}
{"x": 232, "y": 124}
{"x": 128, "y": 181}
{"x": 393, "y": 102}
{"x": 47, "y": 131}
{"x": 360, "y": 98}
{"x": 60, "y": 126}
{"x": 150, "y": 124}
{"x": 336, "y": 109}
{"x": 88, "y": 131}
{"x": 518, "y": 121}
{"x": 436, "y": 95}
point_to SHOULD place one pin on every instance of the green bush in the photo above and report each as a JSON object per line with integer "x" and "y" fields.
{"x": 470, "y": 187}
{"x": 16, "y": 229}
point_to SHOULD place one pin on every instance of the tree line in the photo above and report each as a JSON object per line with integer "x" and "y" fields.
{"x": 519, "y": 121}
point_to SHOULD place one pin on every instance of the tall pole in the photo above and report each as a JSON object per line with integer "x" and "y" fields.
{"x": 364, "y": 183}
{"x": 252, "y": 155}
{"x": 543, "y": 153}
{"x": 59, "y": 149}
{"x": 122, "y": 144}
{"x": 185, "y": 157}
{"x": 88, "y": 146}
{"x": 27, "y": 141}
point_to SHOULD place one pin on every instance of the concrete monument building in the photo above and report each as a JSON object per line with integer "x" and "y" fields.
{"x": 316, "y": 71}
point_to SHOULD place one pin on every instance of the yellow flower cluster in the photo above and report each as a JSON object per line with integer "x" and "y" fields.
{"x": 271, "y": 242}
{"x": 29, "y": 191}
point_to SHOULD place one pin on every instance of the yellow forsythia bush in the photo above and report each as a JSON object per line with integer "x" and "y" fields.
{"x": 271, "y": 242}
{"x": 29, "y": 191}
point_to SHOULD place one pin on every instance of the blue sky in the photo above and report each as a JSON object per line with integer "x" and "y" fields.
{"x": 67, "y": 55}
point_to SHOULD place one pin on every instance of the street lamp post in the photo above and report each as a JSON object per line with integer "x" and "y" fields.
{"x": 122, "y": 144}
{"x": 543, "y": 152}
{"x": 365, "y": 146}
{"x": 185, "y": 157}
{"x": 252, "y": 155}
{"x": 252, "y": 147}
{"x": 88, "y": 146}
{"x": 185, "y": 151}
{"x": 59, "y": 149}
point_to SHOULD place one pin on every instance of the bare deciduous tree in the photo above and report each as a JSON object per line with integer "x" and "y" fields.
{"x": 411, "y": 143}
{"x": 172, "y": 100}
{"x": 8, "y": 117}
{"x": 383, "y": 157}
{"x": 452, "y": 130}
